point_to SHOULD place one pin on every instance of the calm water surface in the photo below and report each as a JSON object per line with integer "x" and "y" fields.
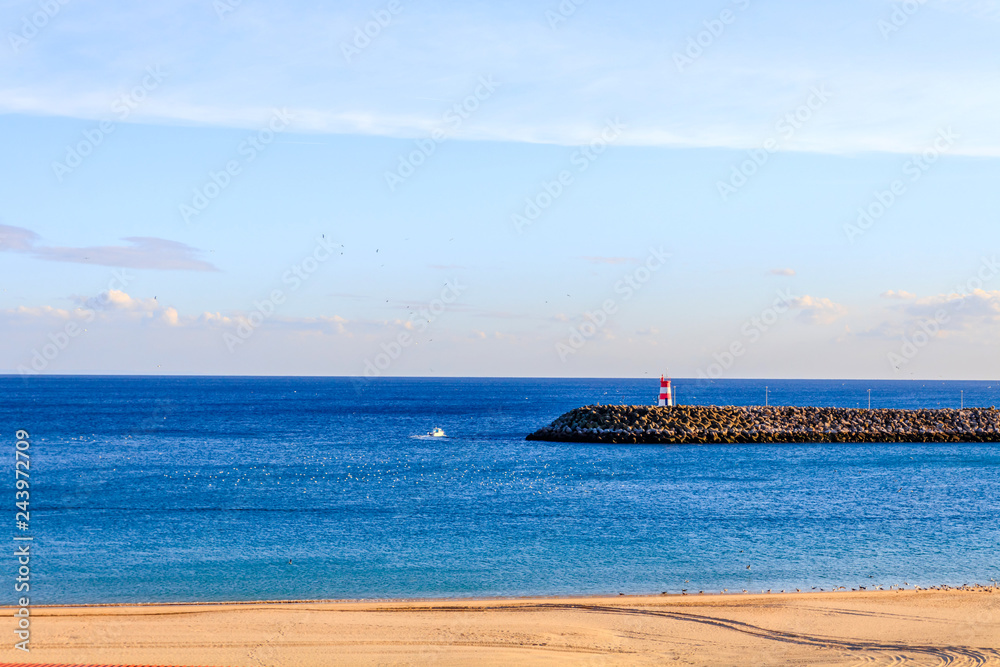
{"x": 183, "y": 489}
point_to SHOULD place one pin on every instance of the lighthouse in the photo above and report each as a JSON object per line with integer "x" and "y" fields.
{"x": 666, "y": 395}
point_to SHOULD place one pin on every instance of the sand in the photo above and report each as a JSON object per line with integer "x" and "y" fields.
{"x": 934, "y": 627}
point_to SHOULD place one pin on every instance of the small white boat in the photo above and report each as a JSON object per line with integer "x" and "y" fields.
{"x": 436, "y": 433}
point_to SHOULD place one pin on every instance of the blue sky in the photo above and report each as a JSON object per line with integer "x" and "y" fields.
{"x": 485, "y": 189}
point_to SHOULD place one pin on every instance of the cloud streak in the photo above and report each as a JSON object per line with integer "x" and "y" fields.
{"x": 143, "y": 252}
{"x": 603, "y": 65}
{"x": 612, "y": 260}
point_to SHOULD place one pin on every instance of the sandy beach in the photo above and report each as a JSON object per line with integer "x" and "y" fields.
{"x": 955, "y": 627}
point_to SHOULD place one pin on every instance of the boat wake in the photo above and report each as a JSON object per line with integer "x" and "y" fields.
{"x": 435, "y": 433}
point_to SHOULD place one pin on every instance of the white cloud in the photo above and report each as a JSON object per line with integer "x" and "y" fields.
{"x": 814, "y": 310}
{"x": 782, "y": 272}
{"x": 41, "y": 312}
{"x": 897, "y": 294}
{"x": 119, "y": 300}
{"x": 118, "y": 307}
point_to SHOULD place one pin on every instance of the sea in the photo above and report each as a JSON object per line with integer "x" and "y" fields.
{"x": 182, "y": 489}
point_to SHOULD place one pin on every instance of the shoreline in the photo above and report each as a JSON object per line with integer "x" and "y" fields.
{"x": 974, "y": 587}
{"x": 798, "y": 628}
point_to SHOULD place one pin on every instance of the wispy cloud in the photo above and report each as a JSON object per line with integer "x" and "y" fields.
{"x": 813, "y": 310}
{"x": 782, "y": 272}
{"x": 348, "y": 295}
{"x": 988, "y": 9}
{"x": 971, "y": 316}
{"x": 603, "y": 65}
{"x": 116, "y": 307}
{"x": 979, "y": 310}
{"x": 897, "y": 294}
{"x": 17, "y": 239}
{"x": 143, "y": 252}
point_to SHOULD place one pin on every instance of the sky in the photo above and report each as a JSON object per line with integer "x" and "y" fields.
{"x": 574, "y": 189}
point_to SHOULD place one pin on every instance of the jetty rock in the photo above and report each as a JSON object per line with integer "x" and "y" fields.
{"x": 696, "y": 424}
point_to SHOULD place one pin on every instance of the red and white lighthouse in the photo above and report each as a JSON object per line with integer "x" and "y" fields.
{"x": 666, "y": 395}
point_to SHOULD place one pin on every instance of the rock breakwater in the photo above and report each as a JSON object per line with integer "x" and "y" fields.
{"x": 694, "y": 424}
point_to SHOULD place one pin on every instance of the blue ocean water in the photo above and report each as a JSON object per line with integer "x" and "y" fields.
{"x": 185, "y": 489}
